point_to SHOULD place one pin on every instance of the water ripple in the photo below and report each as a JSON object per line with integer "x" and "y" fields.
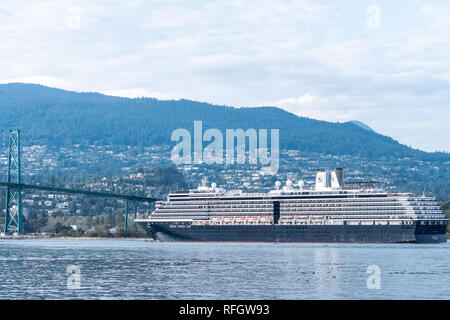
{"x": 123, "y": 269}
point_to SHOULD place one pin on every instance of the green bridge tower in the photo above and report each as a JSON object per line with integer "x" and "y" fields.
{"x": 13, "y": 217}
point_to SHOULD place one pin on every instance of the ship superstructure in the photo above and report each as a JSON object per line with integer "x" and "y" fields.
{"x": 333, "y": 211}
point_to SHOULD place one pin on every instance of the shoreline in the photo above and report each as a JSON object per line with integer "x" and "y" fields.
{"x": 25, "y": 237}
{"x": 31, "y": 237}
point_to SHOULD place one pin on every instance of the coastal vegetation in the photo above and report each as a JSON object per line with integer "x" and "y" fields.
{"x": 108, "y": 226}
{"x": 103, "y": 226}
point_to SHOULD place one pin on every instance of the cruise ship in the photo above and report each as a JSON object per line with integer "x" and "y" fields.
{"x": 331, "y": 211}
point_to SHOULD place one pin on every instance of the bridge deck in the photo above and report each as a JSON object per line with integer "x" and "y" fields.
{"x": 75, "y": 191}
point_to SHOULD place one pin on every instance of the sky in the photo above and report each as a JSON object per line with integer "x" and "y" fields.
{"x": 385, "y": 63}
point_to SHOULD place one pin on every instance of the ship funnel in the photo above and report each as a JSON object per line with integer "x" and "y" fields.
{"x": 321, "y": 179}
{"x": 337, "y": 178}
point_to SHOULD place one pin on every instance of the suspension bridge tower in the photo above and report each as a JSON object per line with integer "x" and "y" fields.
{"x": 13, "y": 216}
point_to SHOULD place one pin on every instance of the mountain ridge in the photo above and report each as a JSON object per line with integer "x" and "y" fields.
{"x": 61, "y": 117}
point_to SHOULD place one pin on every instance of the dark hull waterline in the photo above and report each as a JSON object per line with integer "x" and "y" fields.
{"x": 412, "y": 233}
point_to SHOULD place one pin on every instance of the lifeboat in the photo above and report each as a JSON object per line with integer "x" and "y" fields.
{"x": 227, "y": 219}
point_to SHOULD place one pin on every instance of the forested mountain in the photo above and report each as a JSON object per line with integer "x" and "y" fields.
{"x": 58, "y": 117}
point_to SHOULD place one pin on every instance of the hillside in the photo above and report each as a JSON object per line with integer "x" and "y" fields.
{"x": 62, "y": 118}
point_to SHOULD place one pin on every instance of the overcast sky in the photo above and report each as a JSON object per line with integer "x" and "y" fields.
{"x": 386, "y": 63}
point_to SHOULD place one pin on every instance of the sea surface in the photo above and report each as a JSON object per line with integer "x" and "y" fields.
{"x": 139, "y": 269}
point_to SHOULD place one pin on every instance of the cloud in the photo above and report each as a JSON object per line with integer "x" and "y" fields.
{"x": 305, "y": 105}
{"x": 44, "y": 80}
{"x": 314, "y": 59}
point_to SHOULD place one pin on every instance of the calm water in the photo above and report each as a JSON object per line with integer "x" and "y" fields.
{"x": 120, "y": 269}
